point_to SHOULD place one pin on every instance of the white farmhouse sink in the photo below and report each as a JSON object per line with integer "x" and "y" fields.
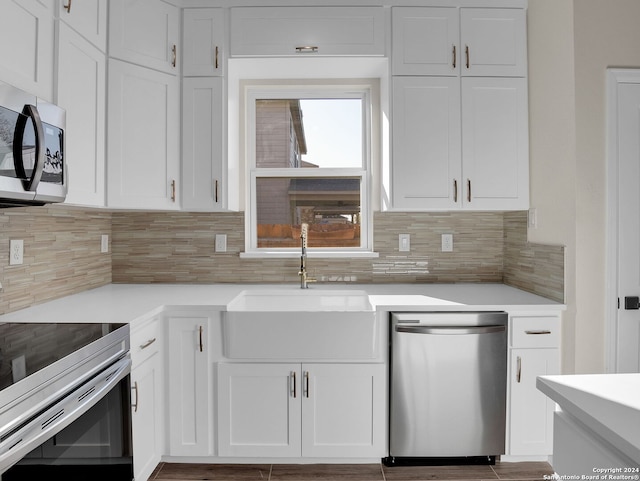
{"x": 296, "y": 324}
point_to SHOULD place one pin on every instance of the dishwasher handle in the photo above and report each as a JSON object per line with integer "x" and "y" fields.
{"x": 449, "y": 330}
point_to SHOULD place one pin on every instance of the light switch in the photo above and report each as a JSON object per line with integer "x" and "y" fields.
{"x": 404, "y": 242}
{"x": 221, "y": 242}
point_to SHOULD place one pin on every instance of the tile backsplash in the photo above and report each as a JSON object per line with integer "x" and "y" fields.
{"x": 62, "y": 252}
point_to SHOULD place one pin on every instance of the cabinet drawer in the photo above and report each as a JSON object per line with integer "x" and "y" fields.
{"x": 299, "y": 31}
{"x": 145, "y": 341}
{"x": 535, "y": 331}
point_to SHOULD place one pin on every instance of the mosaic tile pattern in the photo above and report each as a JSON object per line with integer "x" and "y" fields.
{"x": 61, "y": 253}
{"x": 178, "y": 247}
{"x": 531, "y": 267}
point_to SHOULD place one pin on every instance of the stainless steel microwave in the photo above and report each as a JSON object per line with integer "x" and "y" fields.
{"x": 32, "y": 141}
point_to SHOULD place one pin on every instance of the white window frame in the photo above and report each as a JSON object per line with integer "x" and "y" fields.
{"x": 321, "y": 89}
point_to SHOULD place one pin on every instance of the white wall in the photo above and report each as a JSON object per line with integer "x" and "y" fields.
{"x": 571, "y": 44}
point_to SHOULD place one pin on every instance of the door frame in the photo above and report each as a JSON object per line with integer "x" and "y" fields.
{"x": 615, "y": 77}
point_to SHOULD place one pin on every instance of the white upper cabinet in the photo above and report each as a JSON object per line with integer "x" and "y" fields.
{"x": 427, "y": 169}
{"x": 203, "y": 43}
{"x": 88, "y": 18}
{"x": 143, "y": 169}
{"x": 145, "y": 32}
{"x": 291, "y": 31}
{"x": 203, "y": 183}
{"x": 82, "y": 93}
{"x": 425, "y": 41}
{"x": 27, "y": 34}
{"x": 494, "y": 42}
{"x": 481, "y": 42}
{"x": 495, "y": 143}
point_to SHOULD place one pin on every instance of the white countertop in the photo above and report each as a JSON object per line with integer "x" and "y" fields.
{"x": 128, "y": 302}
{"x": 607, "y": 404}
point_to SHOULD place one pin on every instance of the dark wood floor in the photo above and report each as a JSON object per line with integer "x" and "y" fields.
{"x": 348, "y": 472}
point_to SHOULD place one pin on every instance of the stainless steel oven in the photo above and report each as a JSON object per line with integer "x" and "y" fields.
{"x": 65, "y": 402}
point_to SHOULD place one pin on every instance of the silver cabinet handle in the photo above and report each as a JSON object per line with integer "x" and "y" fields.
{"x": 307, "y": 49}
{"x": 294, "y": 390}
{"x": 519, "y": 369}
{"x": 173, "y": 191}
{"x": 454, "y": 57}
{"x": 466, "y": 52}
{"x": 174, "y": 55}
{"x": 135, "y": 404}
{"x": 148, "y": 343}
{"x": 306, "y": 384}
{"x": 537, "y": 332}
{"x": 200, "y": 338}
{"x": 216, "y": 57}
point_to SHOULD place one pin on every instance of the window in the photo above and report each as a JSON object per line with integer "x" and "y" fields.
{"x": 308, "y": 156}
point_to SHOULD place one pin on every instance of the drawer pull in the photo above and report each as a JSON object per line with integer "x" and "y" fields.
{"x": 519, "y": 373}
{"x": 307, "y": 49}
{"x": 537, "y": 332}
{"x": 216, "y": 57}
{"x": 466, "y": 51}
{"x": 454, "y": 57}
{"x": 200, "y": 338}
{"x": 306, "y": 382}
{"x": 148, "y": 343}
{"x": 174, "y": 56}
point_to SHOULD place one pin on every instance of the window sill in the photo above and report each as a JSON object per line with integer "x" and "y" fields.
{"x": 271, "y": 254}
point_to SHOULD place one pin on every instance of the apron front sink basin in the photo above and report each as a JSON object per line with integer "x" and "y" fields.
{"x": 301, "y": 325}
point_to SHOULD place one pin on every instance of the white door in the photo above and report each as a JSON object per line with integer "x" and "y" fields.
{"x": 259, "y": 410}
{"x": 624, "y": 195}
{"x": 342, "y": 410}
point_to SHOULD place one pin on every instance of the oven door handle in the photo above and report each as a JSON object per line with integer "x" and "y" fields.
{"x": 20, "y": 441}
{"x": 30, "y": 183}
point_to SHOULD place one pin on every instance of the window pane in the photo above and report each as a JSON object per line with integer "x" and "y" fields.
{"x": 330, "y": 205}
{"x": 309, "y": 133}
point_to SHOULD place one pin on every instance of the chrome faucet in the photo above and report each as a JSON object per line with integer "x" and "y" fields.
{"x": 304, "y": 278}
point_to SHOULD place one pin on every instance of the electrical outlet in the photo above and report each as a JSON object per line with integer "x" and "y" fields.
{"x": 447, "y": 242}
{"x": 104, "y": 243}
{"x": 16, "y": 252}
{"x": 404, "y": 242}
{"x": 221, "y": 243}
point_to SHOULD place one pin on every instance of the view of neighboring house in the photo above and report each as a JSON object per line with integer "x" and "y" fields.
{"x": 286, "y": 202}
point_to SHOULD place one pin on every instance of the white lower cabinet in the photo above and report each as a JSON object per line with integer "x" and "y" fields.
{"x": 146, "y": 416}
{"x": 534, "y": 352}
{"x": 190, "y": 430}
{"x": 293, "y": 410}
{"x": 146, "y": 396}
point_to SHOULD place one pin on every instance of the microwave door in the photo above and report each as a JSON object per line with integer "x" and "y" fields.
{"x": 11, "y": 184}
{"x": 30, "y": 171}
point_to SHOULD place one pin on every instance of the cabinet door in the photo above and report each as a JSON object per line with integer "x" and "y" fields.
{"x": 531, "y": 412}
{"x": 425, "y": 41}
{"x": 145, "y": 32}
{"x": 143, "y": 141}
{"x": 202, "y": 143}
{"x": 203, "y": 42}
{"x": 426, "y": 143}
{"x": 88, "y": 18}
{"x": 494, "y": 41}
{"x": 27, "y": 32}
{"x": 343, "y": 410}
{"x": 259, "y": 410}
{"x": 495, "y": 146}
{"x": 146, "y": 416}
{"x": 82, "y": 93}
{"x": 190, "y": 427}
{"x": 291, "y": 31}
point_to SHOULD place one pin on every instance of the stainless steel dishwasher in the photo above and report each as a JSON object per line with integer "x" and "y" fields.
{"x": 448, "y": 386}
